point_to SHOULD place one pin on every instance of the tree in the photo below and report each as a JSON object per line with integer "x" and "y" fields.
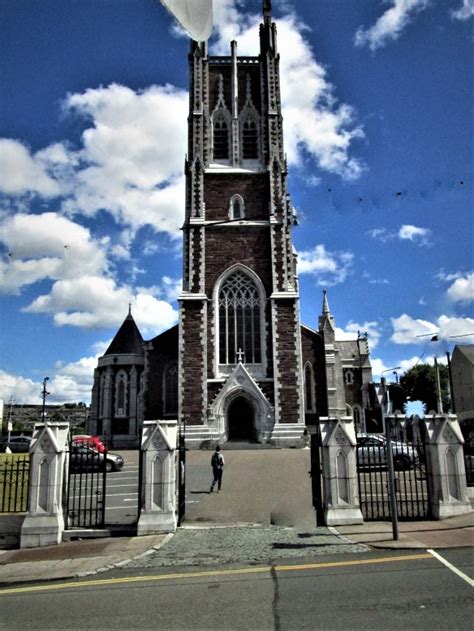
{"x": 419, "y": 384}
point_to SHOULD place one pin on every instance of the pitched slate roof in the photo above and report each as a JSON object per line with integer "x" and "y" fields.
{"x": 127, "y": 340}
{"x": 467, "y": 350}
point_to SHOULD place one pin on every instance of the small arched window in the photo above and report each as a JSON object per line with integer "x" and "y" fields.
{"x": 249, "y": 139}
{"x": 309, "y": 388}
{"x": 170, "y": 389}
{"x": 221, "y": 138}
{"x": 349, "y": 377}
{"x": 236, "y": 210}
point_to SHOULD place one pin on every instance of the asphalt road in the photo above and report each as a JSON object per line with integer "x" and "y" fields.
{"x": 375, "y": 590}
{"x": 121, "y": 506}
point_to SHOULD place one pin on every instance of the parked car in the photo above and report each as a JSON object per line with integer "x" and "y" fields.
{"x": 18, "y": 444}
{"x": 83, "y": 458}
{"x": 89, "y": 441}
{"x": 372, "y": 452}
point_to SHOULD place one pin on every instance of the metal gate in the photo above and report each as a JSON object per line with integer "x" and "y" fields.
{"x": 315, "y": 473}
{"x": 409, "y": 459}
{"x": 181, "y": 478}
{"x": 86, "y": 488}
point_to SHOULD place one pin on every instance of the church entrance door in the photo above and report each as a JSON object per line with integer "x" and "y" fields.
{"x": 240, "y": 419}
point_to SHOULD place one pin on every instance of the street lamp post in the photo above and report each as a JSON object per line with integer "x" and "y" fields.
{"x": 390, "y": 467}
{"x": 44, "y": 394}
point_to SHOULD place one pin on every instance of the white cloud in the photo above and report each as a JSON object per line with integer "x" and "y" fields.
{"x": 462, "y": 290}
{"x": 381, "y": 234}
{"x": 22, "y": 390}
{"x": 315, "y": 124}
{"x": 406, "y": 232}
{"x": 130, "y": 163}
{"x": 46, "y": 246}
{"x": 350, "y": 332}
{"x": 71, "y": 382}
{"x": 378, "y": 366}
{"x": 95, "y": 301}
{"x": 133, "y": 155}
{"x": 448, "y": 277}
{"x": 415, "y": 234}
{"x": 329, "y": 268}
{"x": 390, "y": 24}
{"x": 21, "y": 172}
{"x": 464, "y": 12}
{"x": 408, "y": 330}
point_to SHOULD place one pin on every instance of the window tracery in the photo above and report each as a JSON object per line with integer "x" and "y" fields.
{"x": 250, "y": 139}
{"x": 121, "y": 394}
{"x": 221, "y": 138}
{"x": 239, "y": 320}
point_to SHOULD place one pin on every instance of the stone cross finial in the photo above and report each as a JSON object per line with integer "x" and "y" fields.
{"x": 240, "y": 355}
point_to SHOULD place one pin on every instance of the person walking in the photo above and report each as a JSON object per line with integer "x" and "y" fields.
{"x": 217, "y": 464}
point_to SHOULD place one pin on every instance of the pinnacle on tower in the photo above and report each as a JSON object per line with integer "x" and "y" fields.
{"x": 326, "y": 310}
{"x": 267, "y": 9}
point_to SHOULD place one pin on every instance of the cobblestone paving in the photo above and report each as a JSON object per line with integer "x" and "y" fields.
{"x": 203, "y": 546}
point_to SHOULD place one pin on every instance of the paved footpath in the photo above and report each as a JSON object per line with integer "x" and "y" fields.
{"x": 240, "y": 544}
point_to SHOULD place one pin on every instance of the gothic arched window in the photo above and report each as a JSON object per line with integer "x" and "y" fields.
{"x": 236, "y": 210}
{"x": 249, "y": 139}
{"x": 102, "y": 396}
{"x": 221, "y": 138}
{"x": 121, "y": 394}
{"x": 358, "y": 419}
{"x": 239, "y": 320}
{"x": 309, "y": 388}
{"x": 170, "y": 389}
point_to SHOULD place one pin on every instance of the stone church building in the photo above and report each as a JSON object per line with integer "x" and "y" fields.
{"x": 239, "y": 365}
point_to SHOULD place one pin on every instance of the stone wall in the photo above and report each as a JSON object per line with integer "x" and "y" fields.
{"x": 288, "y": 375}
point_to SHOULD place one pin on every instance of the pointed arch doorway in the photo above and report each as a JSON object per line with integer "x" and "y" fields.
{"x": 240, "y": 421}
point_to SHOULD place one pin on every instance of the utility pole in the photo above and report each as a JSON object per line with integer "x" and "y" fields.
{"x": 438, "y": 388}
{"x": 389, "y": 455}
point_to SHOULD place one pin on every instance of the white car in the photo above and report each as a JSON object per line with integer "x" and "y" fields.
{"x": 372, "y": 452}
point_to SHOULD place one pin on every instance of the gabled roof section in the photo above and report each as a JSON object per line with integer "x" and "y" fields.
{"x": 467, "y": 350}
{"x": 128, "y": 339}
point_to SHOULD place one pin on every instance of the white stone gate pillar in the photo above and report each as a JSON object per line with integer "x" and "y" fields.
{"x": 44, "y": 522}
{"x": 340, "y": 488}
{"x": 445, "y": 466}
{"x": 158, "y": 486}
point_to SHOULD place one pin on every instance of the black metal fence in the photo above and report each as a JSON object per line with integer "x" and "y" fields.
{"x": 411, "y": 485}
{"x": 469, "y": 465}
{"x": 181, "y": 479}
{"x": 14, "y": 482}
{"x": 86, "y": 488}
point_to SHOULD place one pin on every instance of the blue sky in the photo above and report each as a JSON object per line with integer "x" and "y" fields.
{"x": 377, "y": 103}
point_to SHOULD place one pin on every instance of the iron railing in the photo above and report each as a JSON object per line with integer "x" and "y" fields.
{"x": 411, "y": 484}
{"x": 14, "y": 481}
{"x": 86, "y": 488}
{"x": 469, "y": 466}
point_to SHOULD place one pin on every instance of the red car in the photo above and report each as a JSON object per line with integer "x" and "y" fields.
{"x": 89, "y": 441}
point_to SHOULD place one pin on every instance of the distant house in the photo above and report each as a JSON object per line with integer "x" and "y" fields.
{"x": 462, "y": 372}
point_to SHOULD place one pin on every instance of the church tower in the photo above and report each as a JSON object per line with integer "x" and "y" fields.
{"x": 240, "y": 368}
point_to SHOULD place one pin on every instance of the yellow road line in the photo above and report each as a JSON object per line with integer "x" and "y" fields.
{"x": 210, "y": 574}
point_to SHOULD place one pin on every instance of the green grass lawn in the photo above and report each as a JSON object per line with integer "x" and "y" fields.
{"x": 14, "y": 478}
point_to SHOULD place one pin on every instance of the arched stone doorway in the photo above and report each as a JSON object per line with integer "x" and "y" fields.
{"x": 240, "y": 419}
